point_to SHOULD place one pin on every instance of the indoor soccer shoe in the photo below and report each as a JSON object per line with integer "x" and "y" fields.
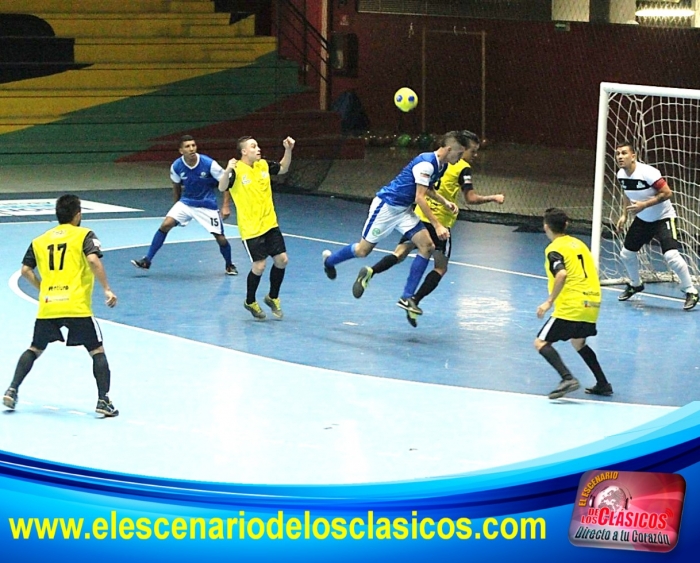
{"x": 144, "y": 263}
{"x": 566, "y": 386}
{"x": 105, "y": 407}
{"x": 412, "y": 319}
{"x": 691, "y": 299}
{"x": 410, "y": 306}
{"x": 630, "y": 290}
{"x": 330, "y": 270}
{"x": 606, "y": 389}
{"x": 275, "y": 306}
{"x": 10, "y": 398}
{"x": 362, "y": 281}
{"x": 231, "y": 270}
{"x": 255, "y": 310}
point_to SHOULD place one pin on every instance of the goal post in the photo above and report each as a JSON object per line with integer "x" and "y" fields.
{"x": 664, "y": 126}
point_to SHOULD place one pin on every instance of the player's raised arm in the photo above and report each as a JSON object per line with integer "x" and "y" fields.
{"x": 288, "y": 145}
{"x": 229, "y": 175}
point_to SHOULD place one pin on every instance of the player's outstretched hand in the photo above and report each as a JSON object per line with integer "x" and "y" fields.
{"x": 499, "y": 198}
{"x": 288, "y": 143}
{"x": 110, "y": 298}
{"x": 232, "y": 163}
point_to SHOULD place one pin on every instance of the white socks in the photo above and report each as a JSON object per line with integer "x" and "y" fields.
{"x": 680, "y": 268}
{"x": 631, "y": 262}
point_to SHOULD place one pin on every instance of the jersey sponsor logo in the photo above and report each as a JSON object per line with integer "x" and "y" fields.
{"x": 203, "y": 174}
{"x": 49, "y": 299}
{"x": 634, "y": 185}
{"x": 58, "y": 288}
{"x": 245, "y": 180}
{"x": 264, "y": 175}
{"x": 25, "y": 207}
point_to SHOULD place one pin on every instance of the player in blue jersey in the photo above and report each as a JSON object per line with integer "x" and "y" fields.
{"x": 392, "y": 209}
{"x": 195, "y": 179}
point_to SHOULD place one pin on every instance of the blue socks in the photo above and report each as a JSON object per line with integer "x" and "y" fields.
{"x": 417, "y": 270}
{"x": 345, "y": 253}
{"x": 226, "y": 252}
{"x": 156, "y": 243}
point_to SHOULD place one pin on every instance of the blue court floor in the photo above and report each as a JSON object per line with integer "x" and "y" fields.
{"x": 341, "y": 390}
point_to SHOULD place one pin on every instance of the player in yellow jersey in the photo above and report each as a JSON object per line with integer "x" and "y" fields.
{"x": 251, "y": 191}
{"x": 68, "y": 260}
{"x": 574, "y": 291}
{"x": 457, "y": 178}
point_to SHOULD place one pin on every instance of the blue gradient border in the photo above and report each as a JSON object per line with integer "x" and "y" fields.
{"x": 543, "y": 488}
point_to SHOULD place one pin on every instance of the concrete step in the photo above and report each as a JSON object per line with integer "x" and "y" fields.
{"x": 156, "y": 49}
{"x": 148, "y": 25}
{"x": 56, "y": 107}
{"x": 106, "y": 6}
{"x": 119, "y": 77}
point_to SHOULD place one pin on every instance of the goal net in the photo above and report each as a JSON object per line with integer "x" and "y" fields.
{"x": 664, "y": 126}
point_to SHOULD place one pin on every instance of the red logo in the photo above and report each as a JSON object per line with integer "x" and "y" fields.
{"x": 628, "y": 510}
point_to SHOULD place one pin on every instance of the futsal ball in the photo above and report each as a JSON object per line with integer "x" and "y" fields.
{"x": 405, "y": 99}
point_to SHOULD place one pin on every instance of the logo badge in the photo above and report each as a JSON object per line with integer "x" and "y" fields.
{"x": 628, "y": 510}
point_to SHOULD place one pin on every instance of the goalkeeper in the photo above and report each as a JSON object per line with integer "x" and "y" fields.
{"x": 648, "y": 199}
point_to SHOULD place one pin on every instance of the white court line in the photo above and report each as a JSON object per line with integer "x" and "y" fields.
{"x": 338, "y": 243}
{"x": 13, "y": 283}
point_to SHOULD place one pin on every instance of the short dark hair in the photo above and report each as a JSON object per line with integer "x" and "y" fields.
{"x": 459, "y": 136}
{"x": 67, "y": 207}
{"x": 556, "y": 220}
{"x": 184, "y": 139}
{"x": 241, "y": 140}
{"x": 626, "y": 143}
{"x": 473, "y": 137}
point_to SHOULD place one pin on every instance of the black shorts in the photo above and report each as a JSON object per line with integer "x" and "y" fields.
{"x": 82, "y": 331}
{"x": 643, "y": 232}
{"x": 555, "y": 330}
{"x": 269, "y": 244}
{"x": 444, "y": 246}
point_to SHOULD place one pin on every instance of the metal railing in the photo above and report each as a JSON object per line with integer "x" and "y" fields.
{"x": 299, "y": 40}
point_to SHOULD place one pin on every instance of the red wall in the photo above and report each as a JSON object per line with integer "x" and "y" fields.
{"x": 542, "y": 84}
